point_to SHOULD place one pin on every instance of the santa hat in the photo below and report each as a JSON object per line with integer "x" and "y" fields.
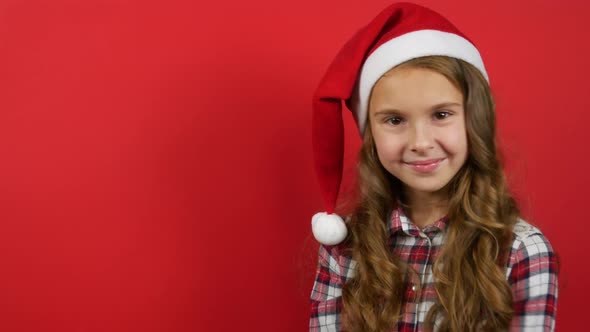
{"x": 401, "y": 32}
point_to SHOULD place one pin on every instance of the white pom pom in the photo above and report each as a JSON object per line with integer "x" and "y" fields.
{"x": 328, "y": 229}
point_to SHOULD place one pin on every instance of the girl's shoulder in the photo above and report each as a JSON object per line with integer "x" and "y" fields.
{"x": 530, "y": 238}
{"x": 522, "y": 229}
{"x": 337, "y": 259}
{"x": 529, "y": 245}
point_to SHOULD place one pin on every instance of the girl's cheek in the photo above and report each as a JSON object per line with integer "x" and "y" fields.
{"x": 454, "y": 139}
{"x": 390, "y": 148}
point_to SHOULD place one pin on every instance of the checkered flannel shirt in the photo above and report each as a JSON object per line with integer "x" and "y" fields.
{"x": 531, "y": 272}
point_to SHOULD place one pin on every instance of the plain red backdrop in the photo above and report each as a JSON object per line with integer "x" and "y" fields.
{"x": 156, "y": 170}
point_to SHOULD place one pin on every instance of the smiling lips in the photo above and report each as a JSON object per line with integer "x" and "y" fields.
{"x": 424, "y": 166}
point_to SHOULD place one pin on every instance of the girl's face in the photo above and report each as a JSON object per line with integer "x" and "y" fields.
{"x": 418, "y": 125}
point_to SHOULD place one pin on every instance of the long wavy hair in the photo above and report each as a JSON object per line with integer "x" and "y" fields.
{"x": 473, "y": 293}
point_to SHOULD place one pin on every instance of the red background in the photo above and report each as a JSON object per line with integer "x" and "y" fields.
{"x": 156, "y": 170}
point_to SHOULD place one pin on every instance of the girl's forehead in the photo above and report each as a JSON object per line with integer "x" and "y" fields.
{"x": 414, "y": 85}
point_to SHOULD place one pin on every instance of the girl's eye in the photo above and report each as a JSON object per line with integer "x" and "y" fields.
{"x": 394, "y": 120}
{"x": 441, "y": 115}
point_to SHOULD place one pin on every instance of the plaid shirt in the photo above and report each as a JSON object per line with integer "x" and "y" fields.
{"x": 531, "y": 272}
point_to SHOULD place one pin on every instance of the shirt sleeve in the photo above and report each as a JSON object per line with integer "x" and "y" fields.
{"x": 534, "y": 285}
{"x": 326, "y": 295}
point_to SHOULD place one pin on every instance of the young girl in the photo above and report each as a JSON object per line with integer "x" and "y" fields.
{"x": 435, "y": 241}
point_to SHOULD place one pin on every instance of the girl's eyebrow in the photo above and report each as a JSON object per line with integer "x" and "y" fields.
{"x": 389, "y": 111}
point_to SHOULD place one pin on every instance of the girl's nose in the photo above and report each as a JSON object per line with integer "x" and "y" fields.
{"x": 421, "y": 139}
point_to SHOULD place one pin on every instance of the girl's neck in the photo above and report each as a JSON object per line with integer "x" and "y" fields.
{"x": 425, "y": 208}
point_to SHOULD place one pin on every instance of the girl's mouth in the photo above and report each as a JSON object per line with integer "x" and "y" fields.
{"x": 425, "y": 166}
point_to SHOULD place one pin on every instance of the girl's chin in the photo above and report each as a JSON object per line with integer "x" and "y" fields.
{"x": 426, "y": 191}
{"x": 425, "y": 188}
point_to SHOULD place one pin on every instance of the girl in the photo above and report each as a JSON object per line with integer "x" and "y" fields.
{"x": 435, "y": 241}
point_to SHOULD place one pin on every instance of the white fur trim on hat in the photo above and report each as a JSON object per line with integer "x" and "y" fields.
{"x": 403, "y": 48}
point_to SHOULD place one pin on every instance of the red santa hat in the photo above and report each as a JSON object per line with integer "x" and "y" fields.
{"x": 401, "y": 32}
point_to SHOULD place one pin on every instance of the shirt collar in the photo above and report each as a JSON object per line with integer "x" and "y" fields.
{"x": 399, "y": 221}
